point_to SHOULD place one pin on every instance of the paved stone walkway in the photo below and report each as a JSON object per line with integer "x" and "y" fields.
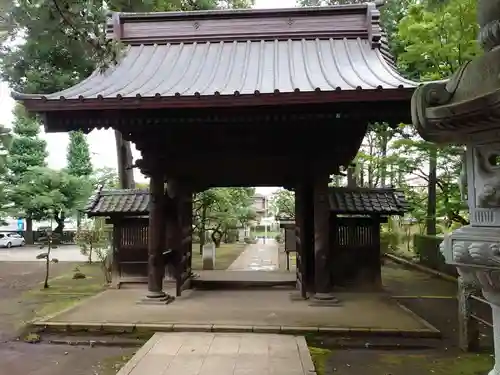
{"x": 258, "y": 257}
{"x": 221, "y": 354}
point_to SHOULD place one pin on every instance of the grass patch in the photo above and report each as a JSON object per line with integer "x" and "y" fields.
{"x": 65, "y": 291}
{"x": 319, "y": 357}
{"x": 464, "y": 364}
{"x": 224, "y": 255}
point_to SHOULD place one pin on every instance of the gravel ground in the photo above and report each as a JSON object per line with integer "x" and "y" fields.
{"x": 19, "y": 358}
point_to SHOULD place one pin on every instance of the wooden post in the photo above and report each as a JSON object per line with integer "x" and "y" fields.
{"x": 300, "y": 243}
{"x": 376, "y": 263}
{"x": 171, "y": 218}
{"x": 186, "y": 243}
{"x": 156, "y": 239}
{"x": 322, "y": 263}
{"x": 115, "y": 265}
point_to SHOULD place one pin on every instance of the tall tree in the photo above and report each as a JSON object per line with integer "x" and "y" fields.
{"x": 436, "y": 43}
{"x": 78, "y": 161}
{"x": 283, "y": 204}
{"x": 27, "y": 151}
{"x": 47, "y": 193}
{"x": 78, "y": 156}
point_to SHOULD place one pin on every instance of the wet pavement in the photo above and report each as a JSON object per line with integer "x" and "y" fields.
{"x": 262, "y": 256}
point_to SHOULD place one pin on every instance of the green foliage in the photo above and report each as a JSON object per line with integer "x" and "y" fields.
{"x": 27, "y": 149}
{"x": 78, "y": 156}
{"x": 42, "y": 192}
{"x": 282, "y": 204}
{"x": 65, "y": 40}
{"x": 438, "y": 41}
{"x": 428, "y": 253}
{"x": 105, "y": 177}
{"x": 219, "y": 210}
{"x": 92, "y": 237}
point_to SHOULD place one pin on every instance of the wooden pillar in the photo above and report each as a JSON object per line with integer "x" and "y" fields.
{"x": 171, "y": 225}
{"x": 115, "y": 265}
{"x": 156, "y": 239}
{"x": 376, "y": 263}
{"x": 185, "y": 203}
{"x": 322, "y": 262}
{"x": 299, "y": 242}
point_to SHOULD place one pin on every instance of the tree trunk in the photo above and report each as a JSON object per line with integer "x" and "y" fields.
{"x": 361, "y": 175}
{"x": 216, "y": 238}
{"x": 370, "y": 168}
{"x": 202, "y": 227}
{"x": 431, "y": 193}
{"x": 28, "y": 235}
{"x": 125, "y": 160}
{"x": 47, "y": 267}
{"x": 351, "y": 178}
{"x": 60, "y": 224}
{"x": 383, "y": 162}
{"x": 78, "y": 220}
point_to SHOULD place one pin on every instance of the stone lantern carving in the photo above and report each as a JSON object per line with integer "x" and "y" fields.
{"x": 466, "y": 110}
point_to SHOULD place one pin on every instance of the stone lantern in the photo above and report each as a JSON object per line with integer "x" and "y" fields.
{"x": 466, "y": 110}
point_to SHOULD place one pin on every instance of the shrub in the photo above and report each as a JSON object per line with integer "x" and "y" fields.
{"x": 428, "y": 253}
{"x": 389, "y": 241}
{"x": 278, "y": 238}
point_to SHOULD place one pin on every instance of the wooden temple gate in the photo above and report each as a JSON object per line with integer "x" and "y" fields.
{"x": 196, "y": 91}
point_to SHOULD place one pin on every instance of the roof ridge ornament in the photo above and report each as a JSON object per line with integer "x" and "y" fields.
{"x": 373, "y": 25}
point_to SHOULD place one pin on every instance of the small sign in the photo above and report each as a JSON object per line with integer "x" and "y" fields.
{"x": 20, "y": 224}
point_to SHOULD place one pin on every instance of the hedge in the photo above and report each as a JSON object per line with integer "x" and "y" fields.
{"x": 428, "y": 253}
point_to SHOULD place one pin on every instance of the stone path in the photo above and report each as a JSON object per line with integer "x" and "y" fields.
{"x": 221, "y": 354}
{"x": 258, "y": 257}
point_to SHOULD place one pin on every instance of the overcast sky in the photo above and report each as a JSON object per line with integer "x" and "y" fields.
{"x": 102, "y": 154}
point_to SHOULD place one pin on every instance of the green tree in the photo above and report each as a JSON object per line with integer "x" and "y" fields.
{"x": 27, "y": 151}
{"x": 437, "y": 41}
{"x": 283, "y": 204}
{"x": 220, "y": 210}
{"x": 78, "y": 157}
{"x": 78, "y": 161}
{"x": 42, "y": 190}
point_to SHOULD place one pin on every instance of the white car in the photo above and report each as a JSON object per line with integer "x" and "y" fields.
{"x": 11, "y": 239}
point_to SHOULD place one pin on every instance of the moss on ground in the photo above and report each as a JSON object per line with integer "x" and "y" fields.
{"x": 64, "y": 291}
{"x": 465, "y": 364}
{"x": 319, "y": 357}
{"x": 224, "y": 255}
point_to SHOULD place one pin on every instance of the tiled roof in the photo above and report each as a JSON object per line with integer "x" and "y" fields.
{"x": 240, "y": 68}
{"x": 119, "y": 202}
{"x": 345, "y": 200}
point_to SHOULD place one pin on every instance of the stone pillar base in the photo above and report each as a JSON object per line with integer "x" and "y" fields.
{"x": 154, "y": 295}
{"x": 324, "y": 299}
{"x": 165, "y": 300}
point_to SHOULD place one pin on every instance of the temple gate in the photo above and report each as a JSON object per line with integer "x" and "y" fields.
{"x": 195, "y": 90}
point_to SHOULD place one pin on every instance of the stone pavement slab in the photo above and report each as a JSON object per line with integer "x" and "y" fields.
{"x": 273, "y": 307}
{"x": 258, "y": 257}
{"x": 221, "y": 354}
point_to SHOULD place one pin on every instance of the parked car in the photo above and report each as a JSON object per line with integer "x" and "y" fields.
{"x": 11, "y": 239}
